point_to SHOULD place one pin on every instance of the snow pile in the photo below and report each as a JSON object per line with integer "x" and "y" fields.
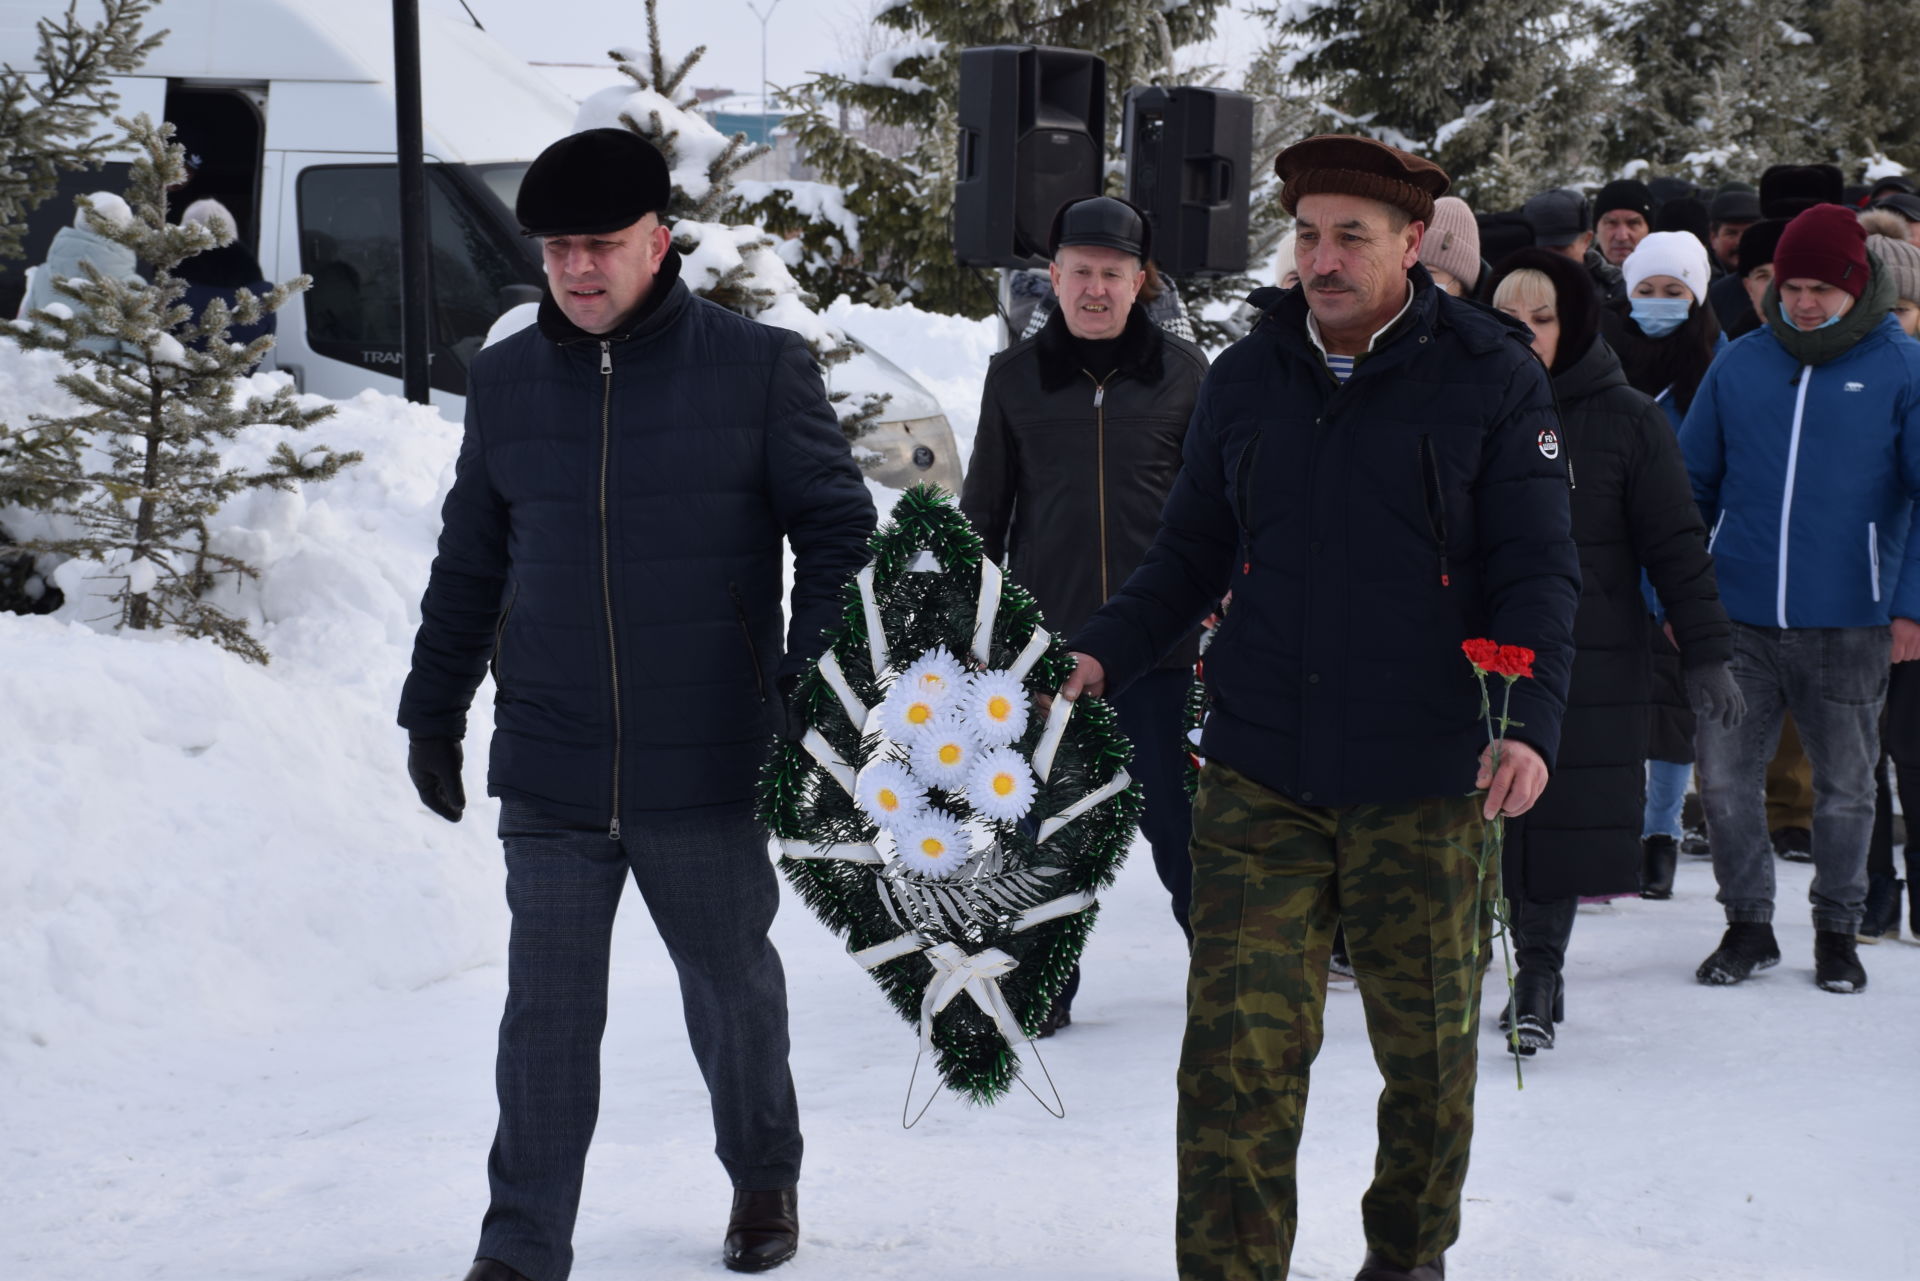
{"x": 696, "y": 143}
{"x": 878, "y": 71}
{"x": 712, "y": 251}
{"x": 195, "y": 839}
{"x": 817, "y": 201}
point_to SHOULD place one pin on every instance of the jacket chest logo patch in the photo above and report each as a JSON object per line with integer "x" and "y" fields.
{"x": 1856, "y": 386}
{"x": 1549, "y": 442}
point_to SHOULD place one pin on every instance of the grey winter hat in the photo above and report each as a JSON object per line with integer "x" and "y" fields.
{"x": 1899, "y": 260}
{"x": 1734, "y": 206}
{"x": 1559, "y": 217}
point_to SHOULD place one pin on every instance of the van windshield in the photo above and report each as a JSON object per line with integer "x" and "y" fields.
{"x": 502, "y": 180}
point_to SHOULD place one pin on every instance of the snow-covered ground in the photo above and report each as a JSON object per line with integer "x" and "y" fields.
{"x": 249, "y": 986}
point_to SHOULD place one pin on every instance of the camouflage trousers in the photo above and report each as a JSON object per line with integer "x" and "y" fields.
{"x": 1271, "y": 877}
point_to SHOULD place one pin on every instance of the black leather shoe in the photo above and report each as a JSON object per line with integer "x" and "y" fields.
{"x": 763, "y": 1231}
{"x": 1378, "y": 1269}
{"x": 493, "y": 1270}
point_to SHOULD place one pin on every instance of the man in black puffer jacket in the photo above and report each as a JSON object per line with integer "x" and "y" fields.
{"x": 612, "y": 548}
{"x": 1078, "y": 444}
{"x": 1375, "y": 471}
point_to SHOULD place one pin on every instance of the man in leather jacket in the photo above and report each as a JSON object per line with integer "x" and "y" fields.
{"x": 1079, "y": 440}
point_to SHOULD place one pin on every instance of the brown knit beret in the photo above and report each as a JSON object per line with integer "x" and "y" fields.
{"x": 1340, "y": 164}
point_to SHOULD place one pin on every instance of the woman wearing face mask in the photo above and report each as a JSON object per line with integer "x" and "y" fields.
{"x": 1666, "y": 335}
{"x": 1632, "y": 510}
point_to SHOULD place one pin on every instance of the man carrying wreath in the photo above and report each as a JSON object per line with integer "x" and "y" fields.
{"x": 1377, "y": 473}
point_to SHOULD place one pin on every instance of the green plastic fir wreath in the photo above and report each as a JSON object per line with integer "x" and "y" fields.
{"x": 971, "y": 902}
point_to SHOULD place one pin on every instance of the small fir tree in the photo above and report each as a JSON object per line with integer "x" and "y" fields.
{"x": 1867, "y": 51}
{"x": 47, "y": 121}
{"x": 730, "y": 258}
{"x": 137, "y": 476}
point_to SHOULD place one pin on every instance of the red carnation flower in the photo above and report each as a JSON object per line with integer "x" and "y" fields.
{"x": 1512, "y": 660}
{"x": 1481, "y": 652}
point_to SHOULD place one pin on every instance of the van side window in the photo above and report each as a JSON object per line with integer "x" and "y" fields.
{"x": 350, "y": 245}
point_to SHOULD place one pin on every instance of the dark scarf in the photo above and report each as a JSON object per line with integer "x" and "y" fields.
{"x": 1135, "y": 353}
{"x": 1678, "y": 361}
{"x": 555, "y": 326}
{"x": 1818, "y": 346}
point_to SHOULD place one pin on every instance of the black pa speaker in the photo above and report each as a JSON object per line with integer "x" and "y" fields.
{"x": 1032, "y": 137}
{"x": 1189, "y": 166}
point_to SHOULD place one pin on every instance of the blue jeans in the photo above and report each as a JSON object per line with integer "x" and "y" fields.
{"x": 709, "y": 883}
{"x": 1666, "y": 795}
{"x": 1833, "y": 680}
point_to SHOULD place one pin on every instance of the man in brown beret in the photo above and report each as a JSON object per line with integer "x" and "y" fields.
{"x": 1376, "y": 473}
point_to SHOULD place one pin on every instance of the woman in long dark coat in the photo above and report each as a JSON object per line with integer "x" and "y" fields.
{"x": 1633, "y": 509}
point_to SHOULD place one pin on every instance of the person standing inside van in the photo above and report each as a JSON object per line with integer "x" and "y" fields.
{"x": 612, "y": 550}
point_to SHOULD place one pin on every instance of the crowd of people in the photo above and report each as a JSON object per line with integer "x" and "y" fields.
{"x": 1687, "y": 521}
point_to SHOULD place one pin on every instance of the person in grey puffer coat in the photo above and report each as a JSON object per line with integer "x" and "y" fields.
{"x": 77, "y": 244}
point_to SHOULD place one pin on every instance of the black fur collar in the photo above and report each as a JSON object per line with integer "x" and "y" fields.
{"x": 1137, "y": 356}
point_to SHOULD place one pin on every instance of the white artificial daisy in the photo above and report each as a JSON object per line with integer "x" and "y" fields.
{"x": 944, "y": 751}
{"x": 996, "y": 707}
{"x": 889, "y": 793}
{"x": 906, "y": 711}
{"x": 1000, "y": 785}
{"x": 933, "y": 844}
{"x": 936, "y": 675}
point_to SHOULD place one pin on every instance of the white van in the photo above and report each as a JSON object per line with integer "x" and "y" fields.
{"x": 288, "y": 107}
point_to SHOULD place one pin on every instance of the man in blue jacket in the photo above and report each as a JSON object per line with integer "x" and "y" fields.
{"x": 1377, "y": 474}
{"x": 612, "y": 550}
{"x": 1804, "y": 448}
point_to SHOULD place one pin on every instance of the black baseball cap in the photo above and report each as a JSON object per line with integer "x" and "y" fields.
{"x": 1101, "y": 220}
{"x": 1559, "y": 217}
{"x": 1907, "y": 206}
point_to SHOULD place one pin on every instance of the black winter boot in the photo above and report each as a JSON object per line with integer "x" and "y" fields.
{"x": 1378, "y": 1269}
{"x": 1539, "y": 995}
{"x": 763, "y": 1231}
{"x": 1747, "y": 946}
{"x": 1836, "y": 962}
{"x": 1881, "y": 917}
{"x": 1794, "y": 844}
{"x": 1658, "y": 857}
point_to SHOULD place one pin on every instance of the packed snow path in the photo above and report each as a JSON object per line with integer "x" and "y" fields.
{"x": 1677, "y": 1132}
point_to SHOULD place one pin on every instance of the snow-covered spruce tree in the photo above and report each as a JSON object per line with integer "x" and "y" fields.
{"x": 1719, "y": 89}
{"x": 728, "y": 257}
{"x": 1866, "y": 52}
{"x": 955, "y": 836}
{"x": 902, "y": 205}
{"x": 1503, "y": 94}
{"x": 48, "y": 120}
{"x": 136, "y": 477}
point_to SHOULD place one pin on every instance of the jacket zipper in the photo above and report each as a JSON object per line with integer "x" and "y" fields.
{"x": 1436, "y": 504}
{"x": 606, "y": 571}
{"x": 1786, "y": 496}
{"x": 1873, "y": 557}
{"x": 1243, "y": 487}
{"x": 500, "y": 635}
{"x": 1714, "y": 537}
{"x": 1100, "y": 459}
{"x": 753, "y": 652}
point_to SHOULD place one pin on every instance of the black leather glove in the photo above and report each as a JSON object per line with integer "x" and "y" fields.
{"x": 793, "y": 722}
{"x": 1715, "y": 695}
{"x": 434, "y": 766}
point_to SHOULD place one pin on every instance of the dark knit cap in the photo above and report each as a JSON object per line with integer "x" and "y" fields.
{"x": 596, "y": 181}
{"x": 1339, "y": 164}
{"x": 1757, "y": 244}
{"x": 1786, "y": 190}
{"x": 1685, "y": 214}
{"x": 1734, "y": 206}
{"x": 1559, "y": 217}
{"x": 1825, "y": 243}
{"x": 1101, "y": 220}
{"x": 1623, "y": 193}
